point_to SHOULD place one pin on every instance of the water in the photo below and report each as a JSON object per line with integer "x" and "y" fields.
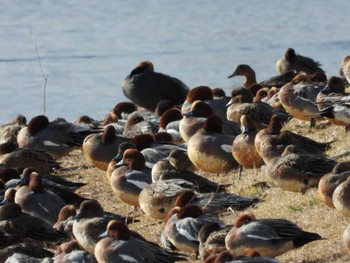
{"x": 87, "y": 48}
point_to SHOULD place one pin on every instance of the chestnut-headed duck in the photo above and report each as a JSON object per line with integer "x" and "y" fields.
{"x": 58, "y": 137}
{"x": 9, "y": 131}
{"x": 89, "y": 223}
{"x": 25, "y": 249}
{"x": 346, "y": 238}
{"x": 341, "y": 198}
{"x": 183, "y": 225}
{"x": 158, "y": 198}
{"x": 271, "y": 141}
{"x": 146, "y": 88}
{"x": 101, "y": 148}
{"x": 136, "y": 124}
{"x": 16, "y": 226}
{"x": 259, "y": 112}
{"x": 269, "y": 237}
{"x": 299, "y": 100}
{"x": 87, "y": 121}
{"x": 243, "y": 148}
{"x": 36, "y": 201}
{"x": 130, "y": 178}
{"x": 120, "y": 111}
{"x": 118, "y": 245}
{"x": 330, "y": 181}
{"x": 66, "y": 220}
{"x": 296, "y": 170}
{"x": 70, "y": 252}
{"x": 209, "y": 149}
{"x": 250, "y": 77}
{"x": 170, "y": 122}
{"x": 19, "y": 158}
{"x": 295, "y": 62}
{"x": 211, "y": 239}
{"x": 214, "y": 202}
{"x": 333, "y": 92}
{"x": 121, "y": 149}
{"x": 345, "y": 66}
{"x": 219, "y": 93}
{"x": 163, "y": 170}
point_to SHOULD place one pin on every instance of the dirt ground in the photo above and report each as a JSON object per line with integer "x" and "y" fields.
{"x": 306, "y": 210}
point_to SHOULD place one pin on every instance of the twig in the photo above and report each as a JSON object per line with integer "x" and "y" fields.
{"x": 41, "y": 69}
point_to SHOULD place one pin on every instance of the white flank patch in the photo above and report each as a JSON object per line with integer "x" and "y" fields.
{"x": 43, "y": 207}
{"x": 186, "y": 234}
{"x": 226, "y": 147}
{"x": 258, "y": 237}
{"x": 128, "y": 258}
{"x": 139, "y": 184}
{"x": 50, "y": 143}
{"x": 149, "y": 165}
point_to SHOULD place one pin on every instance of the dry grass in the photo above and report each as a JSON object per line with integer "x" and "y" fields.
{"x": 304, "y": 209}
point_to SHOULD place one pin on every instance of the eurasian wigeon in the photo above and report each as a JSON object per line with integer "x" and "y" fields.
{"x": 136, "y": 124}
{"x": 211, "y": 239}
{"x": 296, "y": 170}
{"x": 346, "y": 238}
{"x": 119, "y": 156}
{"x": 269, "y": 237}
{"x": 70, "y": 252}
{"x": 295, "y": 62}
{"x": 243, "y": 148}
{"x": 341, "y": 198}
{"x": 9, "y": 196}
{"x": 66, "y": 220}
{"x": 87, "y": 121}
{"x": 330, "y": 181}
{"x": 90, "y": 222}
{"x": 36, "y": 201}
{"x": 101, "y": 148}
{"x": 9, "y": 131}
{"x": 158, "y": 198}
{"x": 118, "y": 245}
{"x": 25, "y": 249}
{"x": 58, "y": 138}
{"x": 250, "y": 77}
{"x": 209, "y": 149}
{"x": 17, "y": 226}
{"x": 146, "y": 88}
{"x": 119, "y": 112}
{"x": 183, "y": 226}
{"x": 259, "y": 112}
{"x": 271, "y": 141}
{"x": 339, "y": 114}
{"x": 130, "y": 178}
{"x": 19, "y": 158}
{"x": 299, "y": 100}
{"x": 19, "y": 257}
{"x": 334, "y": 91}
{"x": 214, "y": 202}
{"x": 345, "y": 66}
{"x": 180, "y": 160}
{"x": 170, "y": 122}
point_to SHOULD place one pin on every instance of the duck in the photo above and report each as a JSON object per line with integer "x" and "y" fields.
{"x": 338, "y": 114}
{"x": 214, "y": 202}
{"x": 243, "y": 148}
{"x": 130, "y": 178}
{"x": 270, "y": 237}
{"x": 332, "y": 92}
{"x": 89, "y": 223}
{"x": 211, "y": 239}
{"x": 330, "y": 181}
{"x": 120, "y": 111}
{"x": 158, "y": 198}
{"x": 87, "y": 121}
{"x": 17, "y": 226}
{"x": 248, "y": 256}
{"x": 271, "y": 141}
{"x": 295, "y": 62}
{"x": 122, "y": 147}
{"x": 118, "y": 245}
{"x": 58, "y": 138}
{"x": 346, "y": 238}
{"x": 345, "y": 66}
{"x": 145, "y": 87}
{"x": 101, "y": 148}
{"x": 25, "y": 249}
{"x": 36, "y": 201}
{"x": 341, "y": 198}
{"x": 136, "y": 124}
{"x": 70, "y": 252}
{"x": 66, "y": 220}
{"x": 297, "y": 171}
{"x": 250, "y": 77}
{"x": 12, "y": 156}
{"x": 209, "y": 149}
{"x": 170, "y": 122}
{"x": 259, "y": 112}
{"x": 183, "y": 225}
{"x": 9, "y": 131}
{"x": 298, "y": 98}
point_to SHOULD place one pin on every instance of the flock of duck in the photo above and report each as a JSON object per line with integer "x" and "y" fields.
{"x": 151, "y": 149}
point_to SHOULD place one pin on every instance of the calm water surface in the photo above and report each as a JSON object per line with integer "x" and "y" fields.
{"x": 87, "y": 48}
